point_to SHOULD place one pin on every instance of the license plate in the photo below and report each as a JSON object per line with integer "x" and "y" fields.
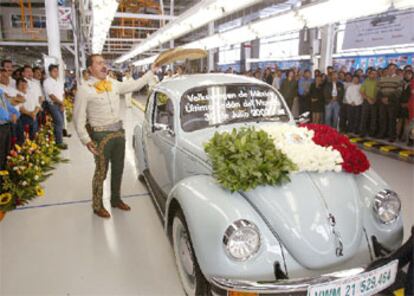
{"x": 364, "y": 284}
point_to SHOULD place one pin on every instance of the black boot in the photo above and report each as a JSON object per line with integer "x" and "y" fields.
{"x": 66, "y": 134}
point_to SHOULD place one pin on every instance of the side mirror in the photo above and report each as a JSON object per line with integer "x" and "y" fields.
{"x": 164, "y": 127}
{"x": 303, "y": 118}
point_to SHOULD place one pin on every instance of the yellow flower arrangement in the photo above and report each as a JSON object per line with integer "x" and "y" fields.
{"x": 68, "y": 104}
{"x": 27, "y": 167}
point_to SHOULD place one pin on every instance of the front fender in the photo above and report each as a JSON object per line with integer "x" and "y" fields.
{"x": 391, "y": 235}
{"x": 139, "y": 149}
{"x": 209, "y": 209}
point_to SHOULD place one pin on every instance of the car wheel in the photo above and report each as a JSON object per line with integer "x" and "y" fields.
{"x": 192, "y": 279}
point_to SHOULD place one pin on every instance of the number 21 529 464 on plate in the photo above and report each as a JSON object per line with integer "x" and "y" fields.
{"x": 364, "y": 284}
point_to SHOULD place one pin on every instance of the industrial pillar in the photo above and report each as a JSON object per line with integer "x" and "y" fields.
{"x": 211, "y": 51}
{"x": 53, "y": 34}
{"x": 327, "y": 47}
{"x": 254, "y": 50}
{"x": 75, "y": 32}
{"x": 172, "y": 43}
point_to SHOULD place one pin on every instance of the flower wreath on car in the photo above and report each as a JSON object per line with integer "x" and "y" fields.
{"x": 247, "y": 158}
{"x": 354, "y": 160}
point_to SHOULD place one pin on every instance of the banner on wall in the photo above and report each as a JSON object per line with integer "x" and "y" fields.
{"x": 351, "y": 64}
{"x": 64, "y": 18}
{"x": 385, "y": 29}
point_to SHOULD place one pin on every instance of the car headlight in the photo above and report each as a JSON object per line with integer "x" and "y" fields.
{"x": 241, "y": 240}
{"x": 387, "y": 206}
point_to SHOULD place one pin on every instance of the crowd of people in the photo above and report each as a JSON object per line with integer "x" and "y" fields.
{"x": 26, "y": 95}
{"x": 378, "y": 103}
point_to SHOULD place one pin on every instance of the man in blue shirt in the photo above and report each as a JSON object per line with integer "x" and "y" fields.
{"x": 303, "y": 91}
{"x": 8, "y": 115}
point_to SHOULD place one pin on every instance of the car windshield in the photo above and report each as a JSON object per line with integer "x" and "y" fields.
{"x": 203, "y": 107}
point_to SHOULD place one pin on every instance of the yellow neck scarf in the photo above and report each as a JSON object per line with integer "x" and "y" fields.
{"x": 103, "y": 85}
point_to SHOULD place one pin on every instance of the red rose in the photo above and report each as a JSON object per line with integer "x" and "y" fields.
{"x": 355, "y": 161}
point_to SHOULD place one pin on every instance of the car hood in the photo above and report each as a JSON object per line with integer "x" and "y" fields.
{"x": 316, "y": 216}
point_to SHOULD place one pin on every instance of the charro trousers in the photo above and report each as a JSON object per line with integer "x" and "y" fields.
{"x": 111, "y": 150}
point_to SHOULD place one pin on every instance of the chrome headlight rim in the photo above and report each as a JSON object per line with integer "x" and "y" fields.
{"x": 384, "y": 196}
{"x": 236, "y": 226}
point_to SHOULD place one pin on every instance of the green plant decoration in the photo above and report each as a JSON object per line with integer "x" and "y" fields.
{"x": 246, "y": 158}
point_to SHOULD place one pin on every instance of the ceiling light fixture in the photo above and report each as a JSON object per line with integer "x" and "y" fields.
{"x": 316, "y": 14}
{"x": 103, "y": 12}
{"x": 197, "y": 16}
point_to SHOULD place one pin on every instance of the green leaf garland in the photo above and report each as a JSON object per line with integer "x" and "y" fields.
{"x": 246, "y": 158}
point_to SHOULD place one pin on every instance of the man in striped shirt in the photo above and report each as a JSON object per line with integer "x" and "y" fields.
{"x": 389, "y": 92}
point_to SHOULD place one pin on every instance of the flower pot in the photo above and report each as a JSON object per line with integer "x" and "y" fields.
{"x": 2, "y": 214}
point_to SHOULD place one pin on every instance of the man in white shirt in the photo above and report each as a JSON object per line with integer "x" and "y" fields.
{"x": 8, "y": 66}
{"x": 277, "y": 80}
{"x": 37, "y": 81}
{"x": 353, "y": 103}
{"x": 8, "y": 90}
{"x": 34, "y": 87}
{"x": 54, "y": 91}
{"x": 28, "y": 110}
{"x": 97, "y": 103}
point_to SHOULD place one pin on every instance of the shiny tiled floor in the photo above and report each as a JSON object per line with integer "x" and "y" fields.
{"x": 57, "y": 247}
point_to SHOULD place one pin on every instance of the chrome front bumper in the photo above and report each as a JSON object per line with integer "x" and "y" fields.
{"x": 292, "y": 286}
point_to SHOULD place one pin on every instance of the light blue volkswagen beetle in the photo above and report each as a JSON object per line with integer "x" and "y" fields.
{"x": 313, "y": 236}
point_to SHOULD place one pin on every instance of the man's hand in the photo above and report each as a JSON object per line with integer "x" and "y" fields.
{"x": 62, "y": 108}
{"x": 14, "y": 118}
{"x": 20, "y": 98}
{"x": 385, "y": 100}
{"x": 370, "y": 101}
{"x": 33, "y": 115}
{"x": 92, "y": 148}
{"x": 155, "y": 68}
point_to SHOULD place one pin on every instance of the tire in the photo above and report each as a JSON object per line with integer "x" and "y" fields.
{"x": 192, "y": 279}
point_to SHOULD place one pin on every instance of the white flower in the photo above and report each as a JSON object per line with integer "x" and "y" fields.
{"x": 24, "y": 183}
{"x": 297, "y": 144}
{"x": 36, "y": 177}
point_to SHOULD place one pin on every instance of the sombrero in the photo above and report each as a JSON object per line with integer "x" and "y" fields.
{"x": 179, "y": 54}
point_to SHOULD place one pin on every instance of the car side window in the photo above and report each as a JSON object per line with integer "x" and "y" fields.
{"x": 163, "y": 110}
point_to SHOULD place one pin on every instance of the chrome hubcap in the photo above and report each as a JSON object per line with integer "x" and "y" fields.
{"x": 184, "y": 257}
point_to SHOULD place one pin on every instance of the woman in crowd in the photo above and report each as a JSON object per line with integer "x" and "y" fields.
{"x": 403, "y": 113}
{"x": 289, "y": 88}
{"x": 317, "y": 99}
{"x": 267, "y": 76}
